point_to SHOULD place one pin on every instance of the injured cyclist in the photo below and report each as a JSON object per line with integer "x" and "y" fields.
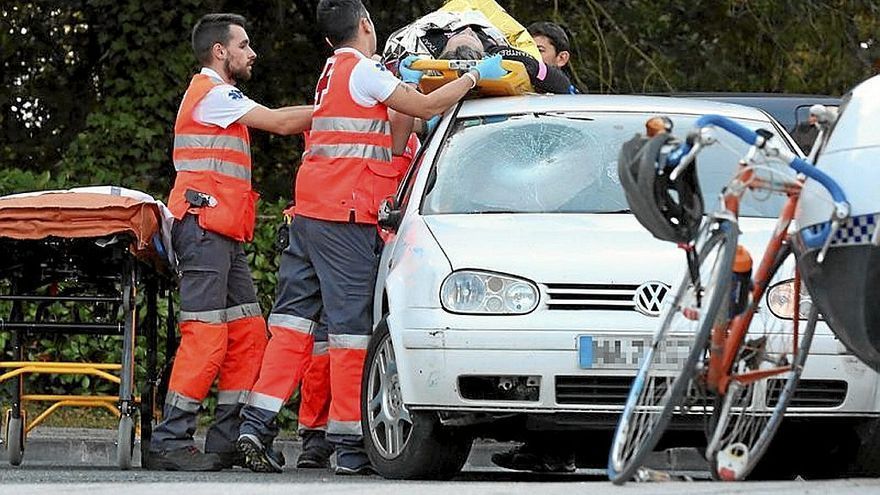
{"x": 469, "y": 35}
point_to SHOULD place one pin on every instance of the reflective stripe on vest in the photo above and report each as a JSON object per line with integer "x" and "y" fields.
{"x": 223, "y": 167}
{"x": 362, "y": 151}
{"x": 231, "y": 143}
{"x": 351, "y": 125}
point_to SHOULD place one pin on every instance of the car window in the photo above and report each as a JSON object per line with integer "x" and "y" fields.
{"x": 563, "y": 163}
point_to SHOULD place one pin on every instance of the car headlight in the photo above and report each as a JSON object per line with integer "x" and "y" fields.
{"x": 780, "y": 301}
{"x": 476, "y": 292}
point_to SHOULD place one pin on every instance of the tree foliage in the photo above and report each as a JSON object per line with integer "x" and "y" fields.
{"x": 91, "y": 87}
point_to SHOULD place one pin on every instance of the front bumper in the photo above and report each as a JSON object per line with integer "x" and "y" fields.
{"x": 432, "y": 362}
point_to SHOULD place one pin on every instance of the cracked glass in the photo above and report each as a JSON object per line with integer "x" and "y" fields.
{"x": 564, "y": 163}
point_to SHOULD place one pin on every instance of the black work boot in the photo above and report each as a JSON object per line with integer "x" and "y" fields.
{"x": 316, "y": 451}
{"x": 528, "y": 457}
{"x": 183, "y": 459}
{"x": 259, "y": 457}
{"x": 353, "y": 462}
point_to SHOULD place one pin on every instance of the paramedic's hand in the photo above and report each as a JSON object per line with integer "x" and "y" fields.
{"x": 490, "y": 68}
{"x": 408, "y": 75}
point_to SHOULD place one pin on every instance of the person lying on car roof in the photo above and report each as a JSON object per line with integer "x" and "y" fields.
{"x": 469, "y": 35}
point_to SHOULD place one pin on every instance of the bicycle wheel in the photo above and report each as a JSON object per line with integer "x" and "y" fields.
{"x": 747, "y": 417}
{"x": 662, "y": 379}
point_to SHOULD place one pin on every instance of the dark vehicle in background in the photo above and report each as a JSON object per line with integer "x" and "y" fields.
{"x": 790, "y": 110}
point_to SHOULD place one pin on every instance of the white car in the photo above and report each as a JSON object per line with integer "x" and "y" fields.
{"x": 518, "y": 292}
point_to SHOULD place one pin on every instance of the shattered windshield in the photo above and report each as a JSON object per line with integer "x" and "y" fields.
{"x": 563, "y": 163}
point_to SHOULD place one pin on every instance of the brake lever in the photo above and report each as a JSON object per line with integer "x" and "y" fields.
{"x": 683, "y": 164}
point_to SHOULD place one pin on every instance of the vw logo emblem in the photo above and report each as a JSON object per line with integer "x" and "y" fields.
{"x": 649, "y": 296}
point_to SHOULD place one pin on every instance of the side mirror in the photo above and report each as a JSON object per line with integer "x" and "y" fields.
{"x": 389, "y": 214}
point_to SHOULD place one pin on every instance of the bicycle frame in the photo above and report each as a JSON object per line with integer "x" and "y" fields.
{"x": 727, "y": 334}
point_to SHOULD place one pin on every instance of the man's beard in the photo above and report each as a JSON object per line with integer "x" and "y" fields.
{"x": 242, "y": 74}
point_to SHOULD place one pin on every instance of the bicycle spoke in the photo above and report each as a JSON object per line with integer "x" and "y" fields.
{"x": 663, "y": 386}
{"x": 763, "y": 378}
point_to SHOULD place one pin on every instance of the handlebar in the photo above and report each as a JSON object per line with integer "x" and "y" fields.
{"x": 684, "y": 154}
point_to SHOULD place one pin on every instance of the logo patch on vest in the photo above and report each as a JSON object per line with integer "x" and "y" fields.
{"x": 235, "y": 94}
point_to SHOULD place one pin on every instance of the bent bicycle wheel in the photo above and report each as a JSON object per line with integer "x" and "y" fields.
{"x": 664, "y": 377}
{"x": 764, "y": 376}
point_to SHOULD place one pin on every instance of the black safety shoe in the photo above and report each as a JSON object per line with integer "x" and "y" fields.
{"x": 364, "y": 470}
{"x": 525, "y": 458}
{"x": 353, "y": 463}
{"x": 316, "y": 451}
{"x": 257, "y": 457}
{"x": 183, "y": 459}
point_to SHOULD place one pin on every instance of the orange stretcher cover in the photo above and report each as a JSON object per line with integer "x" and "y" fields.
{"x": 80, "y": 214}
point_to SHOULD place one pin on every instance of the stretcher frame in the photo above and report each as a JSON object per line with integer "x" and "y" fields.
{"x": 104, "y": 274}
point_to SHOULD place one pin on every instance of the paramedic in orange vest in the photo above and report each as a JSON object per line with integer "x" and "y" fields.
{"x": 331, "y": 262}
{"x": 222, "y": 328}
{"x": 314, "y": 391}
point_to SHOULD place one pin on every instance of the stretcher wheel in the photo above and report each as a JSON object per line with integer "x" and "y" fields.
{"x": 14, "y": 438}
{"x": 125, "y": 442}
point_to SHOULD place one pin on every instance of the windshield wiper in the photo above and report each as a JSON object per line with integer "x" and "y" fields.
{"x": 561, "y": 115}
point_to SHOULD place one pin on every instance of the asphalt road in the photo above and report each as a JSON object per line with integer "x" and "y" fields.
{"x": 37, "y": 479}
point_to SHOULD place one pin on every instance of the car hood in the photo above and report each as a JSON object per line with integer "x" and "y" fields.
{"x": 569, "y": 248}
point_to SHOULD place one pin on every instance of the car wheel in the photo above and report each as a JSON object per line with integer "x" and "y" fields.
{"x": 403, "y": 444}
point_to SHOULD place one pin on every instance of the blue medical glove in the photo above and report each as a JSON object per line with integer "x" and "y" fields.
{"x": 407, "y": 74}
{"x": 431, "y": 123}
{"x": 490, "y": 68}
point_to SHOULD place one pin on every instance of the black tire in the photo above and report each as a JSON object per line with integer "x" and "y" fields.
{"x": 15, "y": 439}
{"x": 748, "y": 416}
{"x": 657, "y": 392}
{"x": 399, "y": 443}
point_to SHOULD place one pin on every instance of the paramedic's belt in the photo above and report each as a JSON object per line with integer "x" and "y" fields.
{"x": 440, "y": 72}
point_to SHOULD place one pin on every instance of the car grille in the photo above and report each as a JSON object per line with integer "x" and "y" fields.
{"x": 811, "y": 393}
{"x": 613, "y": 390}
{"x": 611, "y": 297}
{"x": 592, "y": 390}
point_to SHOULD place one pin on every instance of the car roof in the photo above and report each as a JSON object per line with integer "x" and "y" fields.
{"x": 605, "y": 103}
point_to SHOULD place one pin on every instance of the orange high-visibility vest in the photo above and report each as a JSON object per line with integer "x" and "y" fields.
{"x": 347, "y": 168}
{"x": 215, "y": 161}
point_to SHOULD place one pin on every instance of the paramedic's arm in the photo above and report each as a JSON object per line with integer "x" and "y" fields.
{"x": 401, "y": 128}
{"x": 284, "y": 121}
{"x": 407, "y": 100}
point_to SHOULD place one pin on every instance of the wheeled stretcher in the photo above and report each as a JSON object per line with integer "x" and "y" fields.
{"x": 85, "y": 261}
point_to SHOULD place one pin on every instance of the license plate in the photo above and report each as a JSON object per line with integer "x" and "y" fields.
{"x": 618, "y": 352}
